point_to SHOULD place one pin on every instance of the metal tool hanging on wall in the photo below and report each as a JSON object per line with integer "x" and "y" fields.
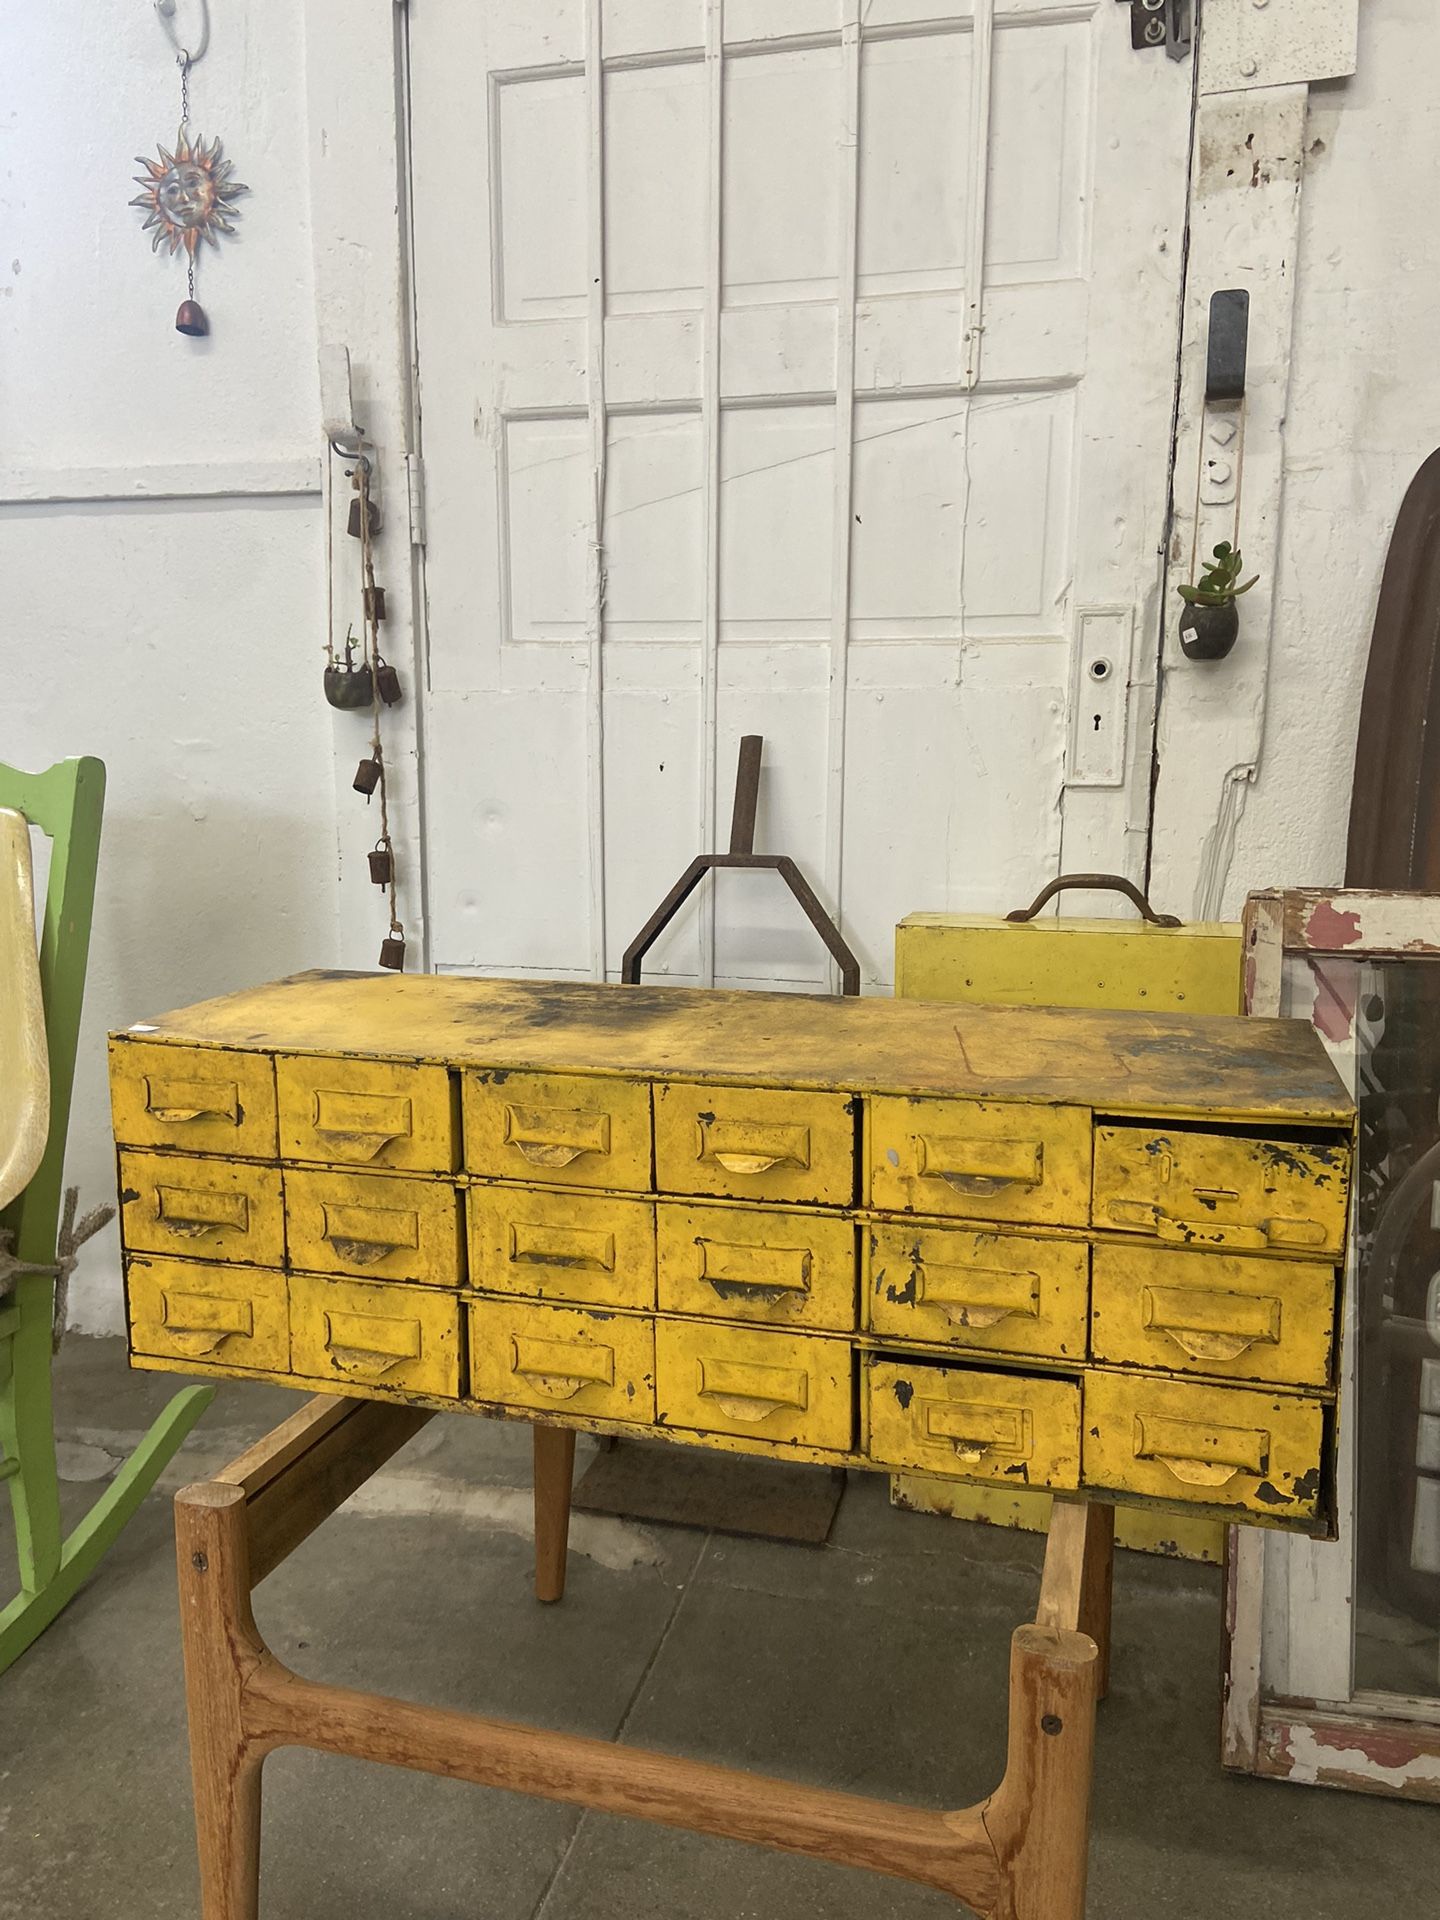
{"x": 188, "y": 196}
{"x": 1210, "y": 623}
{"x": 1161, "y": 23}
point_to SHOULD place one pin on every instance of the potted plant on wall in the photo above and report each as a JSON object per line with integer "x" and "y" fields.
{"x": 1211, "y": 619}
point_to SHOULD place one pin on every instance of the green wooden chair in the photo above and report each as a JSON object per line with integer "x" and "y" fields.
{"x": 65, "y": 803}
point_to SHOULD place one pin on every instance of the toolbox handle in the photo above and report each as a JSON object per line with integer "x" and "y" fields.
{"x": 1096, "y": 883}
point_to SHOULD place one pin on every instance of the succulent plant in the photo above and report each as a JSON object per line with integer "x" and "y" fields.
{"x": 1216, "y": 586}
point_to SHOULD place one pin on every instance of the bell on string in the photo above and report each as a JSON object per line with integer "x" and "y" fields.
{"x": 374, "y": 598}
{"x": 191, "y": 319}
{"x": 352, "y": 525}
{"x": 392, "y": 952}
{"x": 367, "y": 776}
{"x": 387, "y": 681}
{"x": 382, "y": 864}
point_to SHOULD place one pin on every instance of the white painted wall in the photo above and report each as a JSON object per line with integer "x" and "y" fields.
{"x": 1364, "y": 411}
{"x": 178, "y": 638}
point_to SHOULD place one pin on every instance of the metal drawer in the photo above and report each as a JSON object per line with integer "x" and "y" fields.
{"x": 562, "y": 1246}
{"x": 375, "y": 1335}
{"x": 980, "y": 1160}
{"x": 562, "y": 1360}
{"x": 366, "y": 1113}
{"x": 1000, "y": 1292}
{"x": 190, "y": 1310}
{"x": 758, "y": 1385}
{"x": 746, "y": 1263}
{"x": 567, "y": 1129}
{"x": 196, "y": 1099}
{"x": 207, "y": 1209}
{"x": 375, "y": 1226}
{"x": 1011, "y": 1427}
{"x": 755, "y": 1143}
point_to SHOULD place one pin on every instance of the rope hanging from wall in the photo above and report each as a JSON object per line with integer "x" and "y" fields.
{"x": 377, "y": 681}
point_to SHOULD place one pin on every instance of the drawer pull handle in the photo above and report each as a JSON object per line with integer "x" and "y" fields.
{"x": 556, "y": 1136}
{"x": 531, "y": 1244}
{"x": 204, "y": 1324}
{"x": 1206, "y": 1232}
{"x": 178, "y": 1101}
{"x": 754, "y": 1273}
{"x": 366, "y": 1235}
{"x": 955, "y": 1296}
{"x": 561, "y": 1368}
{"x": 361, "y": 1125}
{"x": 1199, "y": 1455}
{"x": 1209, "y": 1325}
{"x": 750, "y": 1146}
{"x": 980, "y": 1167}
{"x": 751, "y": 1393}
{"x": 188, "y": 1213}
{"x": 972, "y": 1432}
{"x": 367, "y": 1345}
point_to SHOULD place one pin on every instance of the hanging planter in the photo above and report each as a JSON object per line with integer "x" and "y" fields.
{"x": 348, "y": 684}
{"x": 1210, "y": 623}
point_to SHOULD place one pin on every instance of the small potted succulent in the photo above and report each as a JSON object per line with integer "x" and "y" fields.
{"x": 1211, "y": 619}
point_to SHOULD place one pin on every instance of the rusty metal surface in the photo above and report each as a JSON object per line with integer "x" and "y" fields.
{"x": 1096, "y": 883}
{"x": 743, "y": 855}
{"x": 1395, "y": 802}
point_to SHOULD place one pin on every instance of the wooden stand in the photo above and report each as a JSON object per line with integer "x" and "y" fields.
{"x": 1019, "y": 1855}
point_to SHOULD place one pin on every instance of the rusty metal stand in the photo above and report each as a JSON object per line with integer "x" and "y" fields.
{"x": 1018, "y": 1855}
{"x": 742, "y": 854}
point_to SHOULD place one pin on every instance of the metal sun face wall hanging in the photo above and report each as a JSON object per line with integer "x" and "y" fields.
{"x": 189, "y": 192}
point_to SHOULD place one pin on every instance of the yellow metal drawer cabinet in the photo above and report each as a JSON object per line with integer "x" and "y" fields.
{"x": 755, "y": 1143}
{"x": 562, "y": 1359}
{"x": 378, "y": 1226}
{"x": 209, "y": 1209}
{"x": 738, "y": 1380}
{"x": 1197, "y": 1189}
{"x": 367, "y": 1113}
{"x": 1230, "y": 1315}
{"x": 998, "y": 1291}
{"x": 981, "y": 1160}
{"x": 583, "y": 1247}
{"x": 989, "y": 1426}
{"x": 196, "y": 1099}
{"x": 752, "y": 1263}
{"x": 565, "y": 1129}
{"x": 1183, "y": 1440}
{"x": 192, "y": 1310}
{"x": 885, "y": 1234}
{"x": 359, "y": 1333}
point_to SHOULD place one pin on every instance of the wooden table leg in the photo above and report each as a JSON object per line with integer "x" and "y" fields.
{"x": 1020, "y": 1855}
{"x": 554, "y": 1473}
{"x": 212, "y": 1549}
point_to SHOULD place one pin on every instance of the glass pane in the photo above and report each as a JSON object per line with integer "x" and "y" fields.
{"x": 1396, "y": 1012}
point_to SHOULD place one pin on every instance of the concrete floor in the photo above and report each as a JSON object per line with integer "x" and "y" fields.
{"x": 876, "y": 1663}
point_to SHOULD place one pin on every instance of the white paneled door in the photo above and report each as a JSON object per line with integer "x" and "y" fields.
{"x": 794, "y": 367}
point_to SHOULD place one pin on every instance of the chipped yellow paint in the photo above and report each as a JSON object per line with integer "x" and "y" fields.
{"x": 376, "y": 1226}
{"x": 1011, "y": 1427}
{"x": 740, "y": 1166}
{"x": 1229, "y": 1315}
{"x": 1212, "y": 1190}
{"x": 375, "y": 1334}
{"x": 755, "y": 1143}
{"x": 590, "y": 1248}
{"x": 1189, "y": 1440}
{"x": 779, "y": 1268}
{"x": 210, "y": 1209}
{"x": 727, "y": 1379}
{"x": 987, "y": 1291}
{"x": 367, "y": 1113}
{"x": 1176, "y": 1536}
{"x": 196, "y": 1310}
{"x": 1052, "y": 962}
{"x": 567, "y": 1129}
{"x": 979, "y": 1160}
{"x": 1112, "y": 1061}
{"x": 195, "y": 1099}
{"x": 563, "y": 1360}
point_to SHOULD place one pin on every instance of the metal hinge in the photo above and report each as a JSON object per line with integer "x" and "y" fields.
{"x": 415, "y": 487}
{"x": 1160, "y": 23}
